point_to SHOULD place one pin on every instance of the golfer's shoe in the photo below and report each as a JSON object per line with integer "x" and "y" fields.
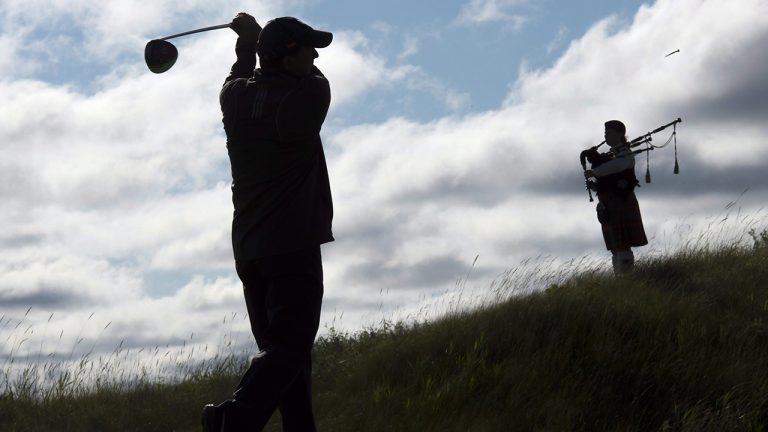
{"x": 212, "y": 418}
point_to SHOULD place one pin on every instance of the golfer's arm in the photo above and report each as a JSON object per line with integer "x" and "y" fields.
{"x": 246, "y": 60}
{"x": 234, "y": 85}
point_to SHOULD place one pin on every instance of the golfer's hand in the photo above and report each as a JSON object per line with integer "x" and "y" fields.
{"x": 246, "y": 27}
{"x": 588, "y": 174}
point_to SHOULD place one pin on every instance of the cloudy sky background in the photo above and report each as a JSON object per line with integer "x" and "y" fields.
{"x": 453, "y": 134}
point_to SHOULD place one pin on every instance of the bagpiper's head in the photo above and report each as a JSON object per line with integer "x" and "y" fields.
{"x": 615, "y": 133}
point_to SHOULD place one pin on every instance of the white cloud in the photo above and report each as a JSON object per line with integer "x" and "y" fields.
{"x": 10, "y": 61}
{"x": 484, "y": 11}
{"x": 352, "y": 68}
{"x": 410, "y": 48}
{"x": 57, "y": 279}
{"x": 222, "y": 293}
{"x": 557, "y": 40}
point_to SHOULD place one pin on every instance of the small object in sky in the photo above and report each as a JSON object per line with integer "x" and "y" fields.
{"x": 675, "y": 51}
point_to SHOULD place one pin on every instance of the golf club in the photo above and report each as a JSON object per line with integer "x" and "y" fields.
{"x": 161, "y": 55}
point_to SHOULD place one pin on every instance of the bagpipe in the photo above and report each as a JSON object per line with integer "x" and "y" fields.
{"x": 596, "y": 158}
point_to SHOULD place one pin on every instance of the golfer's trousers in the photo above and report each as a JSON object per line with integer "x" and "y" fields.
{"x": 283, "y": 294}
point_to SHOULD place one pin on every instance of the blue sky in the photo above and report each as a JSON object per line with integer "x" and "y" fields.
{"x": 452, "y": 145}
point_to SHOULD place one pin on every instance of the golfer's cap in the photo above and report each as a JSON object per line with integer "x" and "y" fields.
{"x": 285, "y": 35}
{"x": 616, "y": 125}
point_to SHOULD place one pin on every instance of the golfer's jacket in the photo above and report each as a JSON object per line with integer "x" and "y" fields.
{"x": 280, "y": 187}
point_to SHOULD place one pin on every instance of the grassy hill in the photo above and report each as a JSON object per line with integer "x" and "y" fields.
{"x": 680, "y": 345}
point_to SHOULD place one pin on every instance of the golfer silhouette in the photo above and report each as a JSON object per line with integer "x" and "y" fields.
{"x": 283, "y": 211}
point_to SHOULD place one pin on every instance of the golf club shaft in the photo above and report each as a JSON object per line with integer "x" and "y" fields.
{"x": 196, "y": 31}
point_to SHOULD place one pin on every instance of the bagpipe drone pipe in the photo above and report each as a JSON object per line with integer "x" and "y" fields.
{"x": 596, "y": 158}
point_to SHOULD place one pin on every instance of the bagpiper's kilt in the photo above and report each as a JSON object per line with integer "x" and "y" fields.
{"x": 624, "y": 228}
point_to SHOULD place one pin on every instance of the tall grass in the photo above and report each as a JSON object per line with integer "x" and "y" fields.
{"x": 64, "y": 391}
{"x": 682, "y": 344}
{"x": 679, "y": 345}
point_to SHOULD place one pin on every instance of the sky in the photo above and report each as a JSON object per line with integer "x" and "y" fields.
{"x": 452, "y": 144}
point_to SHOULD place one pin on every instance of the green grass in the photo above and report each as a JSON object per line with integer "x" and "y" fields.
{"x": 680, "y": 345}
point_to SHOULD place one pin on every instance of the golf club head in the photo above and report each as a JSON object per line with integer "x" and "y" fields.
{"x": 160, "y": 55}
